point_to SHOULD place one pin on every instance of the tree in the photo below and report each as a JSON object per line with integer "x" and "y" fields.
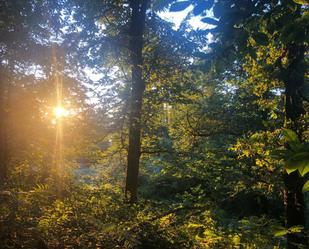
{"x": 30, "y": 49}
{"x": 239, "y": 28}
{"x": 153, "y": 47}
{"x": 22, "y": 42}
{"x": 136, "y": 32}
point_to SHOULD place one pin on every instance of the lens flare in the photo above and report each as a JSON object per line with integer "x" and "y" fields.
{"x": 60, "y": 112}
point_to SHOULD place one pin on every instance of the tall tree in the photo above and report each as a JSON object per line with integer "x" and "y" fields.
{"x": 138, "y": 87}
{"x": 3, "y": 132}
{"x": 293, "y": 78}
{"x": 239, "y": 28}
{"x": 120, "y": 28}
{"x": 22, "y": 41}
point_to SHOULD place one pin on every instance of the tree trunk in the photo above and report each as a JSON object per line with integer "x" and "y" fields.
{"x": 293, "y": 196}
{"x": 3, "y": 131}
{"x": 138, "y": 8}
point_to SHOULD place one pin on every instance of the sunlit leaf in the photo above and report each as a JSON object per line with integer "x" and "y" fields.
{"x": 306, "y": 187}
{"x": 281, "y": 233}
{"x": 304, "y": 2}
{"x": 290, "y": 135}
{"x": 296, "y": 229}
{"x": 304, "y": 170}
{"x": 298, "y": 161}
{"x": 289, "y": 171}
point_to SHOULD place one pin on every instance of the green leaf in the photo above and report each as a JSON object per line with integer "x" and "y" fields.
{"x": 306, "y": 187}
{"x": 195, "y": 225}
{"x": 304, "y": 2}
{"x": 210, "y": 21}
{"x": 298, "y": 161}
{"x": 278, "y": 154}
{"x": 180, "y": 6}
{"x": 290, "y": 135}
{"x": 300, "y": 157}
{"x": 280, "y": 233}
{"x": 291, "y": 166}
{"x": 295, "y": 229}
{"x": 304, "y": 170}
{"x": 289, "y": 171}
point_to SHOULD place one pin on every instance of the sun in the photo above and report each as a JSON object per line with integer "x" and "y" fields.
{"x": 60, "y": 112}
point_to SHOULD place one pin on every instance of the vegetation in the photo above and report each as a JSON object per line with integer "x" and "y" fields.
{"x": 120, "y": 129}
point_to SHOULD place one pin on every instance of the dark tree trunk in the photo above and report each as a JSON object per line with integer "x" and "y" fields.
{"x": 138, "y": 8}
{"x": 3, "y": 133}
{"x": 293, "y": 196}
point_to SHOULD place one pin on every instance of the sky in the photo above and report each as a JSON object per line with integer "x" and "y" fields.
{"x": 174, "y": 17}
{"x": 177, "y": 17}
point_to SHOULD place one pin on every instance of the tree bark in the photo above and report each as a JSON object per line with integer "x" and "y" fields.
{"x": 3, "y": 131}
{"x": 138, "y": 8}
{"x": 293, "y": 196}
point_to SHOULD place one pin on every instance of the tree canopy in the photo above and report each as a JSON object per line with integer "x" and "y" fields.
{"x": 119, "y": 129}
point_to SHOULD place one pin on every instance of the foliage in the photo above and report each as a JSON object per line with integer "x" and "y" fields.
{"x": 214, "y": 141}
{"x": 96, "y": 216}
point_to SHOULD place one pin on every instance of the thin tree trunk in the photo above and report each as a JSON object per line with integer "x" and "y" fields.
{"x": 3, "y": 130}
{"x": 293, "y": 196}
{"x": 138, "y": 8}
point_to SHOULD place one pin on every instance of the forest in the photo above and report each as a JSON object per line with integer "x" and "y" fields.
{"x": 154, "y": 124}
